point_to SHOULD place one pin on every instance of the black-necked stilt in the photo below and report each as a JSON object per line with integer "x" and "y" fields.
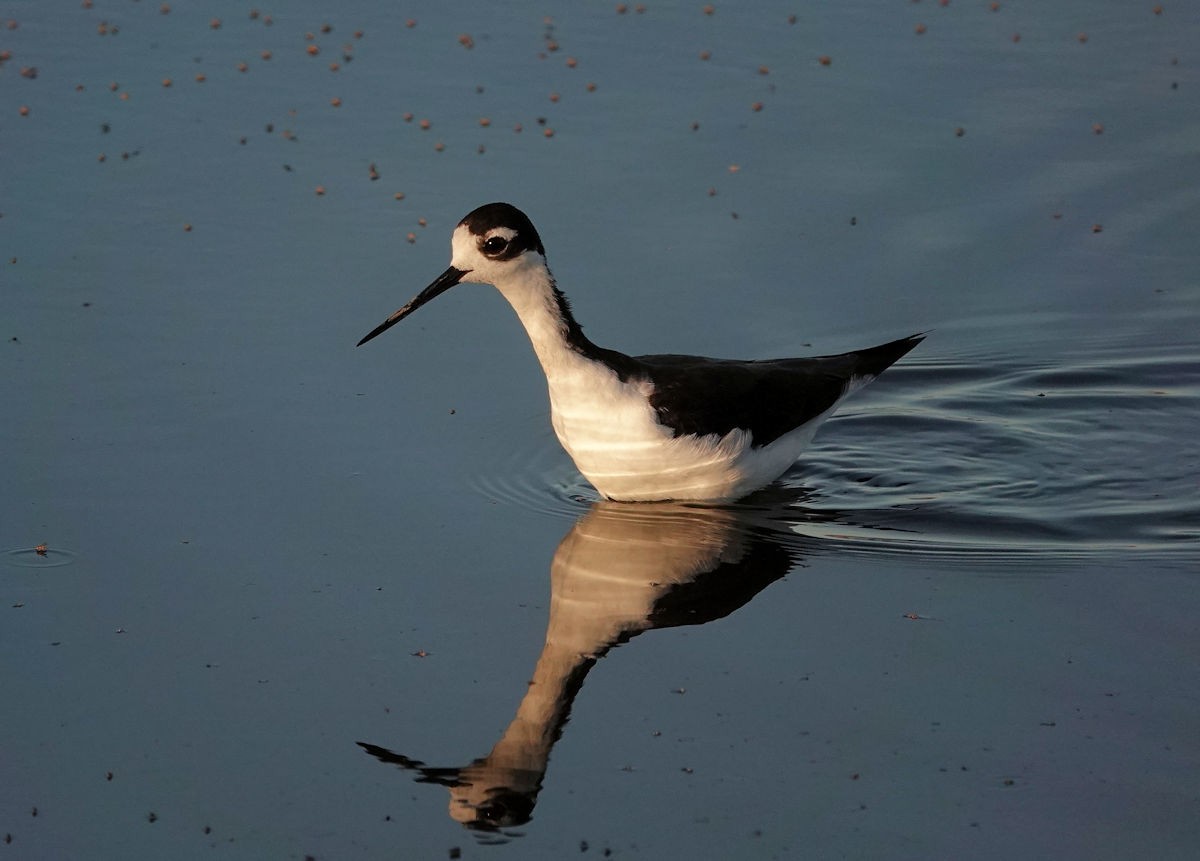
{"x": 649, "y": 428}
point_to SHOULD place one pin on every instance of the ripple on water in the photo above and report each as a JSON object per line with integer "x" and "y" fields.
{"x": 971, "y": 459}
{"x": 535, "y": 474}
{"x": 38, "y": 557}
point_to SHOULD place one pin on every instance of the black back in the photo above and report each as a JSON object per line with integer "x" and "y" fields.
{"x": 698, "y": 396}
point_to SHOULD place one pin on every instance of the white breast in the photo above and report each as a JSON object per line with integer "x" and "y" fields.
{"x": 610, "y": 430}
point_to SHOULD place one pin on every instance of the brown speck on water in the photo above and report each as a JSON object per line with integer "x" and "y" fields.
{"x": 312, "y": 50}
{"x": 919, "y": 29}
{"x": 959, "y": 132}
{"x": 466, "y": 41}
{"x": 266, "y": 55}
{"x": 215, "y": 23}
{"x": 1097, "y": 228}
{"x": 825, "y": 60}
{"x": 320, "y": 190}
{"x": 705, "y": 55}
{"x": 1098, "y": 128}
{"x": 1082, "y": 37}
{"x": 411, "y": 237}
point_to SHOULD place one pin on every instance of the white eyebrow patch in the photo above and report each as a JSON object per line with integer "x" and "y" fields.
{"x": 506, "y": 233}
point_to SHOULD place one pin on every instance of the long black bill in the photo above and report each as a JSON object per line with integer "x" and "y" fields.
{"x": 443, "y": 283}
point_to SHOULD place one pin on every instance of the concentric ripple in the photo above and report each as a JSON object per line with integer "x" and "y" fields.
{"x": 972, "y": 459}
{"x": 38, "y": 557}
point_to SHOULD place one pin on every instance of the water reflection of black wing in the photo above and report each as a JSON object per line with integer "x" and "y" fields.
{"x": 621, "y": 570}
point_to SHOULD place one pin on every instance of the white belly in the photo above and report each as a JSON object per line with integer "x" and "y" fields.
{"x": 609, "y": 429}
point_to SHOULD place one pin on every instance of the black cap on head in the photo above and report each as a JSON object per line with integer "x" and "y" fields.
{"x": 493, "y": 215}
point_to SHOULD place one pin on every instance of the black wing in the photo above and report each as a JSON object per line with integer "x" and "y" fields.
{"x": 698, "y": 396}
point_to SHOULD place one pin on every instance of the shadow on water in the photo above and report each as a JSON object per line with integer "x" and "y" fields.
{"x": 620, "y": 571}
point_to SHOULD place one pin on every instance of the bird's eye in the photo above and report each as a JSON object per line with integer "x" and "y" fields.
{"x": 494, "y": 246}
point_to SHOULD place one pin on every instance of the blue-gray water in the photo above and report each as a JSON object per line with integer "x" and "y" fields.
{"x": 963, "y": 626}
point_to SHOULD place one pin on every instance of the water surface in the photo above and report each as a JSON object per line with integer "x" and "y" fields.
{"x": 962, "y": 626}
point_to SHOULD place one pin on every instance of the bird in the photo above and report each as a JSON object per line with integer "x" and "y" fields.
{"x": 659, "y": 427}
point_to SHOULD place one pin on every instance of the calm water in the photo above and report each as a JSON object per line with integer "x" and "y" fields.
{"x": 297, "y": 599}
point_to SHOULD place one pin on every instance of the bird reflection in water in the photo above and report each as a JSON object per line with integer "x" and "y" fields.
{"x": 621, "y": 570}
